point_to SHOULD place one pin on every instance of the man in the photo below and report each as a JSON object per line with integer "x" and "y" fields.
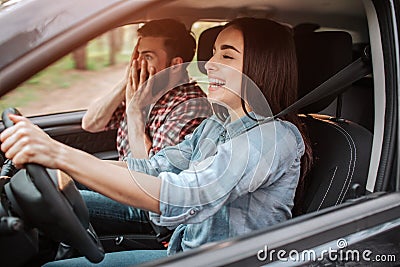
{"x": 162, "y": 44}
{"x": 179, "y": 108}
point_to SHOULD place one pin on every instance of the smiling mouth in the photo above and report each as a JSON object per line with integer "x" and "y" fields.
{"x": 214, "y": 83}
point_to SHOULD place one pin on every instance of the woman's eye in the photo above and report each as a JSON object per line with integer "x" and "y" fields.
{"x": 228, "y": 57}
{"x": 148, "y": 57}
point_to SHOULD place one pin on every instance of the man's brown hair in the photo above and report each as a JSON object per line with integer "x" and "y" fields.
{"x": 179, "y": 42}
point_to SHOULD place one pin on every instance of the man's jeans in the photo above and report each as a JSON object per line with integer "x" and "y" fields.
{"x": 111, "y": 217}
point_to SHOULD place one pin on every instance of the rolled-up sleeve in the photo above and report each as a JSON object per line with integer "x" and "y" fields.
{"x": 172, "y": 159}
{"x": 249, "y": 161}
{"x": 197, "y": 193}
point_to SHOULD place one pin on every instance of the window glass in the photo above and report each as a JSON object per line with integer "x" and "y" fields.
{"x": 74, "y": 81}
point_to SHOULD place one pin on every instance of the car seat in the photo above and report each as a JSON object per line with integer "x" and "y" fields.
{"x": 341, "y": 148}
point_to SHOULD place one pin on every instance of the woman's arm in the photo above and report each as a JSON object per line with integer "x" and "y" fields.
{"x": 26, "y": 143}
{"x": 131, "y": 188}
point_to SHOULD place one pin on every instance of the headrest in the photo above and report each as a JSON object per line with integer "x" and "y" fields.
{"x": 320, "y": 55}
{"x": 205, "y": 46}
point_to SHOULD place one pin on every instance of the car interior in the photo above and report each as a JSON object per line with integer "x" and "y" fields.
{"x": 337, "y": 103}
{"x": 334, "y": 177}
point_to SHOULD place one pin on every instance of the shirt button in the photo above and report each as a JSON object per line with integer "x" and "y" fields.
{"x": 192, "y": 212}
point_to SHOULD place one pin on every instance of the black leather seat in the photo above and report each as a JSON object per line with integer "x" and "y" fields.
{"x": 320, "y": 55}
{"x": 341, "y": 151}
{"x": 341, "y": 148}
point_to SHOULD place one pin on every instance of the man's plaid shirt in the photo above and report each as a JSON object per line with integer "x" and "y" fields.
{"x": 173, "y": 116}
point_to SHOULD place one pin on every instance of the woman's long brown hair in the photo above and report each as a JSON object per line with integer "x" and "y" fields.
{"x": 270, "y": 62}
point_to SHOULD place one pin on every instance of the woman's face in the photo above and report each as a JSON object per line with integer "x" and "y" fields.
{"x": 224, "y": 69}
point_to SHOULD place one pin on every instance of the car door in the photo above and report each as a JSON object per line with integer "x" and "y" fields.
{"x": 66, "y": 128}
{"x": 347, "y": 234}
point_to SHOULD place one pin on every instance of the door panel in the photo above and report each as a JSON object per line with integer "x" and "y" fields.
{"x": 371, "y": 219}
{"x": 66, "y": 128}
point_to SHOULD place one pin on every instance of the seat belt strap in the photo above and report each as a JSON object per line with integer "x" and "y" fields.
{"x": 334, "y": 85}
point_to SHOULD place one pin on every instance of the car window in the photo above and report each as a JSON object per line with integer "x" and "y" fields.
{"x": 75, "y": 80}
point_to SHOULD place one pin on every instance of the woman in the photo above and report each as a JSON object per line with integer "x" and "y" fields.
{"x": 230, "y": 177}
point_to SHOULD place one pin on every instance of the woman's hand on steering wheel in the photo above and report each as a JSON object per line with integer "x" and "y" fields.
{"x": 26, "y": 143}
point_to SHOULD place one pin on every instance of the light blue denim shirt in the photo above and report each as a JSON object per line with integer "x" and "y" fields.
{"x": 226, "y": 179}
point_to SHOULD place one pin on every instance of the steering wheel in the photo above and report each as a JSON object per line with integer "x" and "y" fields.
{"x": 60, "y": 214}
